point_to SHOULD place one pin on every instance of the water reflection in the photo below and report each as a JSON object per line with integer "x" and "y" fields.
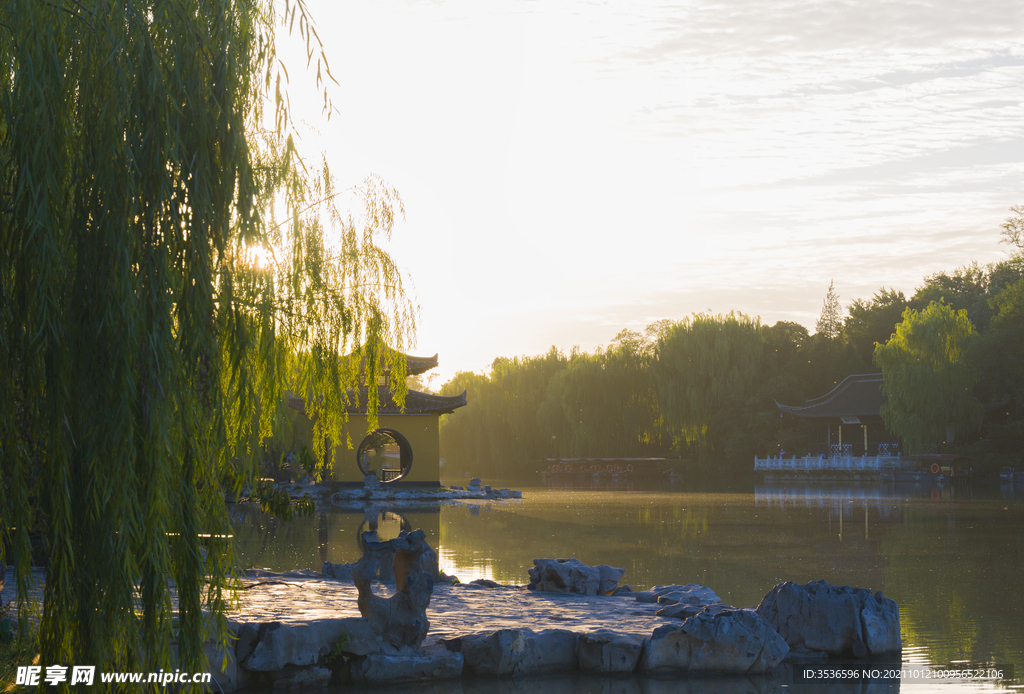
{"x": 951, "y": 557}
{"x": 331, "y": 534}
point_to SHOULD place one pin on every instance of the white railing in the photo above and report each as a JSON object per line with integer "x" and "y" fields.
{"x": 822, "y": 464}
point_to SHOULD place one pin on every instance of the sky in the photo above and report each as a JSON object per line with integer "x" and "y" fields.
{"x": 572, "y": 169}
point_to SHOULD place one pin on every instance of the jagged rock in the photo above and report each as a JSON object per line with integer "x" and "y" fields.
{"x": 435, "y": 664}
{"x": 279, "y": 645}
{"x": 371, "y": 482}
{"x": 483, "y": 583}
{"x": 223, "y": 662}
{"x": 573, "y": 576}
{"x": 610, "y": 578}
{"x": 835, "y": 620}
{"x": 302, "y": 573}
{"x": 680, "y": 611}
{"x": 339, "y": 571}
{"x": 552, "y": 650}
{"x": 499, "y": 654}
{"x": 401, "y": 620}
{"x": 690, "y": 594}
{"x": 475, "y": 482}
{"x": 516, "y": 652}
{"x": 608, "y": 651}
{"x": 719, "y": 639}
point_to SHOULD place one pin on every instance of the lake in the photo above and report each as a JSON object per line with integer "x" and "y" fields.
{"x": 952, "y": 558}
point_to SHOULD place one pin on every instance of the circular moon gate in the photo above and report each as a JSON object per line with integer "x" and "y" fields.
{"x": 386, "y": 454}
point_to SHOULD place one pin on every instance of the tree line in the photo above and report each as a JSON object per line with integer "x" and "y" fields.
{"x": 704, "y": 388}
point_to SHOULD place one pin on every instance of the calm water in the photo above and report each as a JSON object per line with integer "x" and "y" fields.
{"x": 953, "y": 559}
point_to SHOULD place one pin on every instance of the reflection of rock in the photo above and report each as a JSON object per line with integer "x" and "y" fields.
{"x": 573, "y": 576}
{"x": 434, "y": 664}
{"x": 835, "y": 620}
{"x": 400, "y": 620}
{"x": 690, "y": 594}
{"x": 385, "y": 565}
{"x": 719, "y": 639}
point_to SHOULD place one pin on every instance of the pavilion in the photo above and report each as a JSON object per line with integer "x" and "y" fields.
{"x": 848, "y": 420}
{"x": 404, "y": 449}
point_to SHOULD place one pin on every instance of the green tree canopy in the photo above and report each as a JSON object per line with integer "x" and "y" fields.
{"x": 874, "y": 320}
{"x": 929, "y": 376}
{"x": 703, "y": 363}
{"x": 965, "y": 288}
{"x": 146, "y": 167}
{"x": 830, "y": 322}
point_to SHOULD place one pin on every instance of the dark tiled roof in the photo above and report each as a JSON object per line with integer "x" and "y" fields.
{"x": 415, "y": 402}
{"x": 418, "y": 365}
{"x": 413, "y": 365}
{"x": 859, "y": 395}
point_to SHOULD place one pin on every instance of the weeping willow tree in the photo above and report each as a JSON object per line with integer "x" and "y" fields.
{"x": 165, "y": 271}
{"x": 605, "y": 404}
{"x": 702, "y": 363}
{"x": 929, "y": 376}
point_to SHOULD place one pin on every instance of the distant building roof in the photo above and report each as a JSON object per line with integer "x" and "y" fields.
{"x": 859, "y": 395}
{"x": 415, "y": 402}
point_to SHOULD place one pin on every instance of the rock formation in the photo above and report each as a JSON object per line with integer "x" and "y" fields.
{"x": 822, "y": 617}
{"x": 401, "y": 620}
{"x": 573, "y": 576}
{"x": 690, "y": 594}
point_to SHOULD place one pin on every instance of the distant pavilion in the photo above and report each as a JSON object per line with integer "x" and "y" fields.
{"x": 404, "y": 449}
{"x": 848, "y": 420}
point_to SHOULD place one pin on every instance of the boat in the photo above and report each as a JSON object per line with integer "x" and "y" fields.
{"x": 606, "y": 467}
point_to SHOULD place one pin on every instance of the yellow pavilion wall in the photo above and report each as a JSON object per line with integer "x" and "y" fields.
{"x": 421, "y": 430}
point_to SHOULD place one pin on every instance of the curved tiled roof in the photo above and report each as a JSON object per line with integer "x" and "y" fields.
{"x": 415, "y": 402}
{"x": 418, "y": 365}
{"x": 859, "y": 395}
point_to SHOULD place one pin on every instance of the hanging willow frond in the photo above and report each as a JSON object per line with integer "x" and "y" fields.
{"x": 141, "y": 348}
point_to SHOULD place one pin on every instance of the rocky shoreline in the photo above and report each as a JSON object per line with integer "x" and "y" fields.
{"x": 571, "y": 618}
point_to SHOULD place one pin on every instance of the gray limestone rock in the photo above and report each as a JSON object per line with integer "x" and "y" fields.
{"x": 516, "y": 652}
{"x": 401, "y": 620}
{"x": 607, "y": 651}
{"x": 223, "y": 664}
{"x": 498, "y": 654}
{"x": 280, "y": 645}
{"x": 715, "y": 641}
{"x": 435, "y": 664}
{"x": 832, "y": 619}
{"x": 691, "y": 594}
{"x": 341, "y": 572}
{"x": 610, "y": 578}
{"x": 371, "y": 483}
{"x": 551, "y": 650}
{"x": 573, "y": 576}
{"x": 680, "y": 611}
